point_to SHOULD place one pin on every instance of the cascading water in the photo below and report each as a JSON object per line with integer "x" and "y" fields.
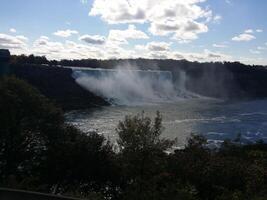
{"x": 163, "y": 90}
{"x": 130, "y": 87}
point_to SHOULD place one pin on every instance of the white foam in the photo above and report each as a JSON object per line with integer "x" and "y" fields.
{"x": 131, "y": 87}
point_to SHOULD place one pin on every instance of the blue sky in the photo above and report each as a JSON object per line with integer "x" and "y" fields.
{"x": 202, "y": 30}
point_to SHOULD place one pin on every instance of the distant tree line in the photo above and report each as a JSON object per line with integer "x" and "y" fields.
{"x": 166, "y": 64}
{"x": 40, "y": 152}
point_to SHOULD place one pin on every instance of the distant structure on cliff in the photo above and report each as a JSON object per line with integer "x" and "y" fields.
{"x": 4, "y": 61}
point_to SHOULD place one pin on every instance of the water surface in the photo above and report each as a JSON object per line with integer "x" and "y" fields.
{"x": 215, "y": 119}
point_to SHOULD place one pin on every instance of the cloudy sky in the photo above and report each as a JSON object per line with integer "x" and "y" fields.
{"x": 197, "y": 30}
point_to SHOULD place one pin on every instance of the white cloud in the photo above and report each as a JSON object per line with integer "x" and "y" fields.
{"x": 249, "y": 31}
{"x": 158, "y": 46}
{"x": 247, "y": 35}
{"x": 215, "y": 56}
{"x": 254, "y": 51}
{"x": 16, "y": 44}
{"x": 121, "y": 36}
{"x": 261, "y": 48}
{"x": 205, "y": 56}
{"x": 65, "y": 33}
{"x": 219, "y": 45}
{"x": 73, "y": 50}
{"x": 253, "y": 61}
{"x": 184, "y": 19}
{"x": 183, "y": 31}
{"x": 157, "y": 50}
{"x": 43, "y": 44}
{"x": 118, "y": 11}
{"x": 43, "y": 40}
{"x": 12, "y": 42}
{"x": 69, "y": 49}
{"x": 217, "y": 19}
{"x": 93, "y": 39}
{"x": 158, "y": 55}
{"x": 154, "y": 46}
{"x": 252, "y": 31}
{"x": 12, "y": 30}
{"x": 44, "y": 37}
{"x": 244, "y": 36}
{"x": 22, "y": 38}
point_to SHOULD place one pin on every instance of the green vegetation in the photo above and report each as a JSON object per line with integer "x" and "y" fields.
{"x": 40, "y": 152}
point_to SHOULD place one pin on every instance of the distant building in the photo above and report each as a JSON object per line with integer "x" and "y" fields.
{"x": 4, "y": 61}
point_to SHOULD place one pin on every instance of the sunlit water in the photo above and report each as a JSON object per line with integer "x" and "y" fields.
{"x": 217, "y": 120}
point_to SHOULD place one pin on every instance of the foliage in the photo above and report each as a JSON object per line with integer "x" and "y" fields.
{"x": 137, "y": 133}
{"x": 29, "y": 122}
{"x": 142, "y": 156}
{"x": 40, "y": 152}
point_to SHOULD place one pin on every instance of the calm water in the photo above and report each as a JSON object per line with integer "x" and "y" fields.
{"x": 215, "y": 119}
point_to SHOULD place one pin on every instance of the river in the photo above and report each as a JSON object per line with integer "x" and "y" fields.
{"x": 215, "y": 119}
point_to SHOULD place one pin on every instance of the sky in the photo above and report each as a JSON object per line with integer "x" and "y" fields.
{"x": 196, "y": 30}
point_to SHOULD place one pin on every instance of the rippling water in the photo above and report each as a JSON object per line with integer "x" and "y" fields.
{"x": 217, "y": 120}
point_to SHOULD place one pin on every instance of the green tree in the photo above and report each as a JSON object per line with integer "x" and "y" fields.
{"x": 143, "y": 157}
{"x": 139, "y": 133}
{"x": 29, "y": 122}
{"x": 39, "y": 151}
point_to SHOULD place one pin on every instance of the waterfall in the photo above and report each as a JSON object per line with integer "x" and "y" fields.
{"x": 129, "y": 87}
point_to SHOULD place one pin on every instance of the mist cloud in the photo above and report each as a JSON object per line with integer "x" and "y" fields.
{"x": 128, "y": 87}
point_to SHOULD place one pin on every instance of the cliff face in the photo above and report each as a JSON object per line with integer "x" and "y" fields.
{"x": 57, "y": 84}
{"x": 219, "y": 80}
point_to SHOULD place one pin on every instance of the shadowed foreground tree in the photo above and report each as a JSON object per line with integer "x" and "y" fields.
{"x": 233, "y": 171}
{"x": 143, "y": 160}
{"x": 29, "y": 124}
{"x": 39, "y": 151}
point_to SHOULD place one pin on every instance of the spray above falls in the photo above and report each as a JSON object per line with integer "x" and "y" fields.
{"x": 130, "y": 87}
